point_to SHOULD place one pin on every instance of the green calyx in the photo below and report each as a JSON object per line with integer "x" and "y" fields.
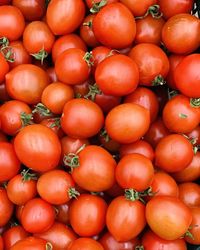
{"x": 73, "y": 193}
{"x": 88, "y": 24}
{"x": 154, "y": 11}
{"x": 42, "y": 110}
{"x": 56, "y": 122}
{"x": 26, "y": 176}
{"x": 93, "y": 91}
{"x": 159, "y": 80}
{"x": 4, "y": 42}
{"x": 97, "y": 6}
{"x": 195, "y": 102}
{"x": 88, "y": 57}
{"x": 41, "y": 55}
{"x": 133, "y": 195}
{"x": 105, "y": 135}
{"x": 171, "y": 93}
{"x": 26, "y": 119}
{"x": 139, "y": 248}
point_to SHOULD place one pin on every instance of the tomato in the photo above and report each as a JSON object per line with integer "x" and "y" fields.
{"x": 115, "y": 190}
{"x": 3, "y": 93}
{"x": 90, "y": 3}
{"x": 148, "y": 30}
{"x": 54, "y": 125}
{"x": 59, "y": 235}
{"x": 195, "y": 226}
{"x": 100, "y": 53}
{"x": 109, "y": 243}
{"x": 18, "y": 212}
{"x": 37, "y": 216}
{"x": 18, "y": 83}
{"x": 77, "y": 113}
{"x": 3, "y": 137}
{"x": 176, "y": 150}
{"x": 65, "y": 16}
{"x": 55, "y": 95}
{"x": 152, "y": 63}
{"x": 195, "y": 134}
{"x": 151, "y": 241}
{"x": 95, "y": 171}
{"x": 107, "y": 143}
{"x": 13, "y": 115}
{"x": 4, "y": 2}
{"x": 4, "y": 68}
{"x": 1, "y": 243}
{"x": 38, "y": 147}
{"x": 180, "y": 34}
{"x": 179, "y": 116}
{"x": 12, "y": 22}
{"x": 176, "y": 7}
{"x": 189, "y": 193}
{"x": 188, "y": 85}
{"x": 52, "y": 74}
{"x": 87, "y": 215}
{"x": 62, "y": 213}
{"x": 114, "y": 26}
{"x": 32, "y": 243}
{"x": 12, "y": 235}
{"x": 67, "y": 42}
{"x": 127, "y": 123}
{"x": 85, "y": 243}
{"x": 146, "y": 98}
{"x": 125, "y": 219}
{"x": 9, "y": 162}
{"x": 174, "y": 217}
{"x": 37, "y": 36}
{"x": 6, "y": 207}
{"x": 31, "y": 9}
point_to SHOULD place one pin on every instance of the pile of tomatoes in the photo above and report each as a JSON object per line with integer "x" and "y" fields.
{"x": 99, "y": 124}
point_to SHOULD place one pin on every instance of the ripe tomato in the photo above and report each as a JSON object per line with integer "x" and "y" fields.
{"x": 189, "y": 193}
{"x": 3, "y": 93}
{"x": 195, "y": 226}
{"x": 83, "y": 243}
{"x": 9, "y": 162}
{"x": 6, "y": 207}
{"x": 54, "y": 124}
{"x": 127, "y": 123}
{"x": 195, "y": 134}
{"x": 87, "y": 215}
{"x": 52, "y": 74}
{"x": 12, "y": 22}
{"x": 125, "y": 219}
{"x": 77, "y": 113}
{"x": 3, "y": 137}
{"x": 151, "y": 241}
{"x": 114, "y": 26}
{"x": 1, "y": 243}
{"x": 62, "y": 213}
{"x": 189, "y": 84}
{"x": 176, "y": 150}
{"x": 174, "y": 217}
{"x": 65, "y": 16}
{"x": 180, "y": 34}
{"x": 38, "y": 147}
{"x": 152, "y": 63}
{"x": 4, "y": 2}
{"x": 18, "y": 83}
{"x": 37, "y": 216}
{"x": 4, "y": 68}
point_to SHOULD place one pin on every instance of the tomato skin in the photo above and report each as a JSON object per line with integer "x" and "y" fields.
{"x": 179, "y": 116}
{"x": 151, "y": 61}
{"x": 12, "y": 235}
{"x": 189, "y": 83}
{"x": 175, "y": 149}
{"x": 77, "y": 110}
{"x": 18, "y": 83}
{"x": 38, "y": 36}
{"x": 51, "y": 74}
{"x": 107, "y": 102}
{"x": 9, "y": 162}
{"x": 4, "y": 68}
{"x": 31, "y": 243}
{"x": 174, "y": 217}
{"x": 62, "y": 213}
{"x": 83, "y": 243}
{"x": 3, "y": 137}
{"x": 53, "y": 124}
{"x": 3, "y": 93}
{"x": 87, "y": 215}
{"x": 11, "y": 22}
{"x": 38, "y": 147}
{"x": 1, "y": 243}
{"x": 180, "y": 34}
{"x": 151, "y": 241}
{"x": 195, "y": 225}
{"x": 6, "y": 207}
{"x": 114, "y": 26}
{"x": 65, "y": 16}
{"x": 189, "y": 193}
{"x": 96, "y": 170}
{"x": 125, "y": 219}
{"x": 125, "y": 128}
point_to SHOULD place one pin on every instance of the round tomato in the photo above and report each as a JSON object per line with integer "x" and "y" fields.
{"x": 85, "y": 243}
{"x": 195, "y": 227}
{"x": 189, "y": 193}
{"x": 6, "y": 207}
{"x": 4, "y": 68}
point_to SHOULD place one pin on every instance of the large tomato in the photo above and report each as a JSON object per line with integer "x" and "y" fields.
{"x": 85, "y": 243}
{"x": 6, "y": 207}
{"x": 32, "y": 243}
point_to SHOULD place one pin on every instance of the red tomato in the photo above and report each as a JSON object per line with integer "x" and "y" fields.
{"x": 4, "y": 2}
{"x": 189, "y": 193}
{"x": 6, "y": 207}
{"x": 127, "y": 123}
{"x": 18, "y": 83}
{"x": 87, "y": 215}
{"x": 3, "y": 93}
{"x": 52, "y": 74}
{"x": 114, "y": 26}
{"x": 62, "y": 213}
{"x": 4, "y": 68}
{"x": 38, "y": 147}
{"x": 188, "y": 83}
{"x": 174, "y": 217}
{"x": 65, "y": 16}
{"x": 12, "y": 22}
{"x": 115, "y": 190}
{"x": 85, "y": 243}
{"x": 152, "y": 62}
{"x": 3, "y": 137}
{"x": 195, "y": 226}
{"x": 54, "y": 125}
{"x": 180, "y": 34}
{"x": 9, "y": 162}
{"x": 1, "y": 243}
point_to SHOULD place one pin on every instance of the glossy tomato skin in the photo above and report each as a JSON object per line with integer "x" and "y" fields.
{"x": 9, "y": 162}
{"x": 151, "y": 61}
{"x": 18, "y": 83}
{"x": 31, "y": 243}
{"x": 127, "y": 123}
{"x": 38, "y": 147}
{"x": 174, "y": 217}
{"x": 189, "y": 193}
{"x": 11, "y": 22}
{"x": 114, "y": 26}
{"x": 125, "y": 219}
{"x": 6, "y": 208}
{"x": 180, "y": 34}
{"x": 87, "y": 215}
{"x": 153, "y": 242}
{"x": 195, "y": 225}
{"x": 74, "y": 116}
{"x": 4, "y": 68}
{"x": 64, "y": 17}
{"x": 189, "y": 84}
{"x": 83, "y": 243}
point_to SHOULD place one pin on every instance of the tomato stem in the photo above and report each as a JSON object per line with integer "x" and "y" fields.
{"x": 88, "y": 57}
{"x": 49, "y": 246}
{"x": 26, "y": 119}
{"x": 139, "y": 248}
{"x": 73, "y": 193}
{"x": 93, "y": 91}
{"x": 195, "y": 102}
{"x": 97, "y": 6}
{"x": 56, "y": 122}
{"x": 4, "y": 42}
{"x": 158, "y": 80}
{"x": 189, "y": 234}
{"x": 42, "y": 110}
{"x": 8, "y": 53}
{"x": 105, "y": 135}
{"x": 88, "y": 24}
{"x": 154, "y": 11}
{"x": 41, "y": 55}
{"x": 26, "y": 176}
